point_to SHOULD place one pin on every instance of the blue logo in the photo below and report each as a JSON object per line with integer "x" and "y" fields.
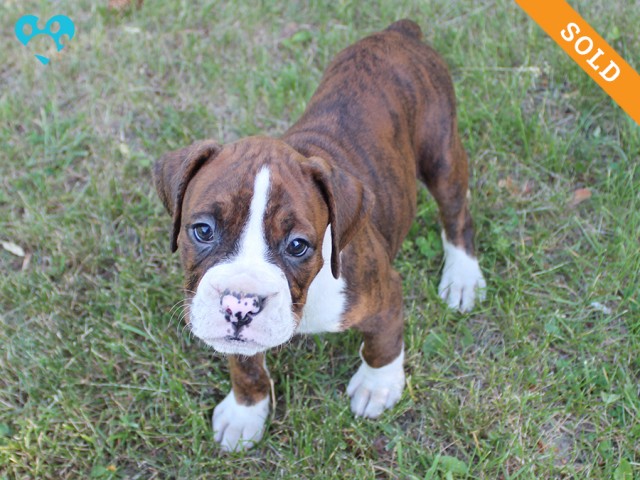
{"x": 65, "y": 24}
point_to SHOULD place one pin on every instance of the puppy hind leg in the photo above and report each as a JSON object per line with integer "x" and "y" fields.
{"x": 447, "y": 178}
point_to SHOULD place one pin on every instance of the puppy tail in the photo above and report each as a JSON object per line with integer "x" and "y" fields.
{"x": 406, "y": 27}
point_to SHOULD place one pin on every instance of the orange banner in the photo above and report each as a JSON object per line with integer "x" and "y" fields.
{"x": 589, "y": 50}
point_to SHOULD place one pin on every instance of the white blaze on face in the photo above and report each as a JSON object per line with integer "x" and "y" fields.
{"x": 253, "y": 246}
{"x": 248, "y": 274}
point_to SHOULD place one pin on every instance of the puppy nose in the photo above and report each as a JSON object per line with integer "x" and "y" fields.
{"x": 239, "y": 306}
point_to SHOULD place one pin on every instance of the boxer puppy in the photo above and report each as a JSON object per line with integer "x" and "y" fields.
{"x": 295, "y": 235}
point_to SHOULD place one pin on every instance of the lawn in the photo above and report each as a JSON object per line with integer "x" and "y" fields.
{"x": 99, "y": 377}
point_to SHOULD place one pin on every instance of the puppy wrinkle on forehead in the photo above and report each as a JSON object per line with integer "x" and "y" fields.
{"x": 253, "y": 245}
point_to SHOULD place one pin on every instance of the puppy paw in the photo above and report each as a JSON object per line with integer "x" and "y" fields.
{"x": 239, "y": 427}
{"x": 373, "y": 390}
{"x": 462, "y": 281}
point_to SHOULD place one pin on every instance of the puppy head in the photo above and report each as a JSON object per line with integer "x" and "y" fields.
{"x": 250, "y": 221}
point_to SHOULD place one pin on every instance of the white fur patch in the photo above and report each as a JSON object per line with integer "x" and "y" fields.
{"x": 462, "y": 280}
{"x": 238, "y": 427}
{"x": 250, "y": 273}
{"x": 252, "y": 244}
{"x": 373, "y": 390}
{"x": 326, "y": 297}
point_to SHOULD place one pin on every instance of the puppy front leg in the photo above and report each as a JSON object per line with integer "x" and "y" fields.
{"x": 379, "y": 382}
{"x": 239, "y": 420}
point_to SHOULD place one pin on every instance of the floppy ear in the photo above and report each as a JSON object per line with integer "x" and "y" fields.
{"x": 172, "y": 174}
{"x": 348, "y": 200}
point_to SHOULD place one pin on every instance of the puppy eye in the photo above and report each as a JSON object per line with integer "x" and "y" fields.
{"x": 297, "y": 247}
{"x": 203, "y": 232}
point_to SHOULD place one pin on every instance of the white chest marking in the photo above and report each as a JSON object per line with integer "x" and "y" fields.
{"x": 326, "y": 298}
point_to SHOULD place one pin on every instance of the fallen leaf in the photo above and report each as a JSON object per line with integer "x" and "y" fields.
{"x": 124, "y": 150}
{"x": 26, "y": 262}
{"x": 122, "y": 4}
{"x": 528, "y": 187}
{"x": 579, "y": 196}
{"x": 11, "y": 247}
{"x": 380, "y": 445}
{"x": 507, "y": 183}
{"x": 601, "y": 308}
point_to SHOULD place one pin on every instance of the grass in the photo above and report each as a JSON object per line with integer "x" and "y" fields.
{"x": 98, "y": 378}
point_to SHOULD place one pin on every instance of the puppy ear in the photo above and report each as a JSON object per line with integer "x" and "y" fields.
{"x": 349, "y": 202}
{"x": 172, "y": 174}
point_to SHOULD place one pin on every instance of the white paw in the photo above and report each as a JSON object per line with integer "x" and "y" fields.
{"x": 238, "y": 427}
{"x": 462, "y": 281}
{"x": 373, "y": 390}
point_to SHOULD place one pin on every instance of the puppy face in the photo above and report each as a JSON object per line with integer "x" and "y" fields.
{"x": 250, "y": 221}
{"x": 250, "y": 248}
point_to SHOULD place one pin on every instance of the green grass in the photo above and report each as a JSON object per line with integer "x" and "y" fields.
{"x": 98, "y": 378}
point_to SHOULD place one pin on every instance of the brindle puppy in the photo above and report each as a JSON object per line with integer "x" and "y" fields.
{"x": 297, "y": 235}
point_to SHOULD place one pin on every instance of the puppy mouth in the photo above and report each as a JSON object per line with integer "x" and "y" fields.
{"x": 232, "y": 338}
{"x": 228, "y": 339}
{"x": 230, "y": 344}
